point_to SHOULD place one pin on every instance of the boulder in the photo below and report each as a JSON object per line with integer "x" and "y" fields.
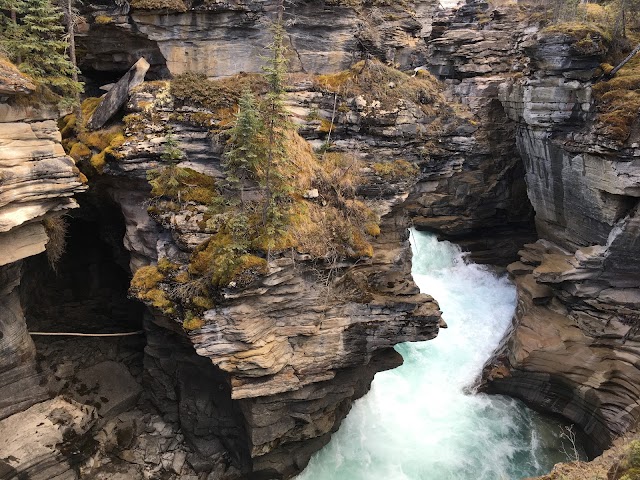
{"x": 46, "y": 440}
{"x": 118, "y": 95}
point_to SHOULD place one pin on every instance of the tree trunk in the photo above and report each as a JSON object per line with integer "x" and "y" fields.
{"x": 625, "y": 61}
{"x": 14, "y": 20}
{"x": 71, "y": 30}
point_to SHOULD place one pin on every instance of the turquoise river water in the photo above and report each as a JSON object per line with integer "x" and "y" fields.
{"x": 418, "y": 422}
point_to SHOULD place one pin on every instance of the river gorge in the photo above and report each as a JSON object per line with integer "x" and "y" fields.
{"x": 424, "y": 265}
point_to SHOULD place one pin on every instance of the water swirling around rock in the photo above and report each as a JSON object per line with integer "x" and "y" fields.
{"x": 417, "y": 422}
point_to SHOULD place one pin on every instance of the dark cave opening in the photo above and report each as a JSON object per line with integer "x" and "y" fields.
{"x": 87, "y": 292}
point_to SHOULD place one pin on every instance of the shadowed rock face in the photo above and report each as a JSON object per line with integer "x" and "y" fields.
{"x": 223, "y": 38}
{"x": 37, "y": 180}
{"x": 474, "y": 193}
{"x": 573, "y": 348}
{"x": 19, "y": 380}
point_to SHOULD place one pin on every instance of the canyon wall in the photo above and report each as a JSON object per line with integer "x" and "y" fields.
{"x": 37, "y": 183}
{"x": 222, "y": 38}
{"x": 272, "y": 365}
{"x": 573, "y": 346}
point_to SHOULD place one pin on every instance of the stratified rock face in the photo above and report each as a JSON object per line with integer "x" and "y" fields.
{"x": 474, "y": 193}
{"x": 223, "y": 38}
{"x": 19, "y": 382}
{"x": 574, "y": 349}
{"x": 276, "y": 364}
{"x": 37, "y": 179}
{"x": 35, "y": 442}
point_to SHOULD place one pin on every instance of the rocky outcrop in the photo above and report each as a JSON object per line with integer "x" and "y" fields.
{"x": 276, "y": 364}
{"x": 474, "y": 193}
{"x": 573, "y": 347}
{"x": 37, "y": 180}
{"x": 32, "y": 442}
{"x": 223, "y": 38}
{"x": 19, "y": 379}
{"x": 118, "y": 95}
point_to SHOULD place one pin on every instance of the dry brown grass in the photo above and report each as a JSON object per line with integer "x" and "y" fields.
{"x": 56, "y": 228}
{"x": 620, "y": 462}
{"x": 579, "y": 30}
{"x": 195, "y": 89}
{"x": 618, "y": 102}
{"x": 377, "y": 82}
{"x": 171, "y": 5}
{"x": 12, "y": 78}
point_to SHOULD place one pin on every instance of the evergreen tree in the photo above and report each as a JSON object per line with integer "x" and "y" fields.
{"x": 276, "y": 121}
{"x": 247, "y": 151}
{"x": 10, "y": 31}
{"x": 71, "y": 16}
{"x": 35, "y": 40}
{"x": 168, "y": 181}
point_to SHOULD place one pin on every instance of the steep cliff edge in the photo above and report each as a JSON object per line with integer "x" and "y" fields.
{"x": 37, "y": 184}
{"x": 573, "y": 347}
{"x": 288, "y": 340}
{"x": 476, "y": 196}
{"x": 222, "y": 38}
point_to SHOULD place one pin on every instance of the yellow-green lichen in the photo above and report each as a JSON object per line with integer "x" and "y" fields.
{"x": 224, "y": 260}
{"x": 146, "y": 278}
{"x": 399, "y": 169}
{"x": 182, "y": 184}
{"x": 79, "y": 151}
{"x": 618, "y": 102}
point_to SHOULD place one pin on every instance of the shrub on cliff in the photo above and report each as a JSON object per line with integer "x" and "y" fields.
{"x": 377, "y": 82}
{"x": 295, "y": 199}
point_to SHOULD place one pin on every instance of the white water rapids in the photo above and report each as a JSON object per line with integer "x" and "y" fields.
{"x": 417, "y": 422}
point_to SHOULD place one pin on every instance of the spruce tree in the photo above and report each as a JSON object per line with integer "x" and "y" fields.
{"x": 168, "y": 181}
{"x": 10, "y": 31}
{"x": 276, "y": 121}
{"x": 41, "y": 47}
{"x": 247, "y": 150}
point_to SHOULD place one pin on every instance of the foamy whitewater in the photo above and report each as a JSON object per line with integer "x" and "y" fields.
{"x": 417, "y": 422}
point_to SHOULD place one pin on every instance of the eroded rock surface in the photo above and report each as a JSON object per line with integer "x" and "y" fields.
{"x": 223, "y": 38}
{"x": 573, "y": 347}
{"x": 37, "y": 181}
{"x": 474, "y": 193}
{"x": 34, "y": 442}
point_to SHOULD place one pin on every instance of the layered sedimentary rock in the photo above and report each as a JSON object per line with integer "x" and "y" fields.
{"x": 33, "y": 441}
{"x": 223, "y": 38}
{"x": 474, "y": 193}
{"x": 37, "y": 180}
{"x": 276, "y": 364}
{"x": 573, "y": 348}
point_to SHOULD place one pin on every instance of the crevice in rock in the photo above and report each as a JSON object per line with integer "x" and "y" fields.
{"x": 88, "y": 292}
